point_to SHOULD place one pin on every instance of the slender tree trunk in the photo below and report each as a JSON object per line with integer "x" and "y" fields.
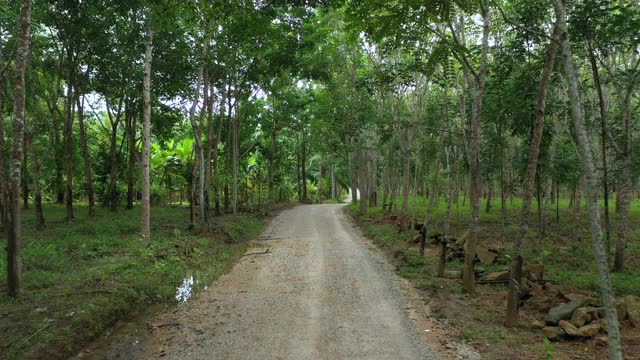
{"x": 513, "y": 299}
{"x": 145, "y": 221}
{"x": 211, "y": 140}
{"x": 625, "y": 190}
{"x": 603, "y": 143}
{"x": 236, "y": 159}
{"x": 199, "y": 168}
{"x": 88, "y": 174}
{"x": 25, "y": 177}
{"x": 58, "y": 158}
{"x": 613, "y": 328}
{"x": 503, "y": 199}
{"x": 453, "y": 174}
{"x": 4, "y": 205}
{"x": 14, "y": 243}
{"x": 363, "y": 177}
{"x": 113, "y": 182}
{"x": 35, "y": 171}
{"x": 216, "y": 170}
{"x": 68, "y": 133}
{"x": 303, "y": 165}
{"x": 131, "y": 132}
{"x": 475, "y": 180}
{"x": 272, "y": 152}
{"x": 353, "y": 170}
{"x": 228, "y": 152}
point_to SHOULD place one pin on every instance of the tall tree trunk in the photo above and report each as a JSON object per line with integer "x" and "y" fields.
{"x": 513, "y": 299}
{"x": 211, "y": 140}
{"x": 353, "y": 170}
{"x": 14, "y": 238}
{"x": 228, "y": 152}
{"x": 199, "y": 168}
{"x": 588, "y": 167}
{"x": 25, "y": 177}
{"x": 68, "y": 133}
{"x": 216, "y": 170}
{"x": 113, "y": 181}
{"x": 236, "y": 158}
{"x": 626, "y": 185}
{"x": 363, "y": 177}
{"x": 35, "y": 171}
{"x": 503, "y": 199}
{"x": 130, "y": 120}
{"x": 145, "y": 215}
{"x": 603, "y": 143}
{"x": 3, "y": 160}
{"x": 272, "y": 152}
{"x": 406, "y": 185}
{"x": 58, "y": 158}
{"x": 334, "y": 189}
{"x": 475, "y": 180}
{"x": 303, "y": 165}
{"x": 88, "y": 174}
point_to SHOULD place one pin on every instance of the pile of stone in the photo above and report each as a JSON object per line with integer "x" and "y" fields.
{"x": 585, "y": 317}
{"x": 486, "y": 254}
{"x": 531, "y": 273}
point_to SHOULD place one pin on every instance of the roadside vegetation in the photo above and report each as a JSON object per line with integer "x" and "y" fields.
{"x": 83, "y": 277}
{"x": 481, "y": 323}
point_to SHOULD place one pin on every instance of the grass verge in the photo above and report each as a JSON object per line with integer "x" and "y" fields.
{"x": 82, "y": 277}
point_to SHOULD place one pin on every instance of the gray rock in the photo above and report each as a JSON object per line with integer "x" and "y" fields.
{"x": 562, "y": 312}
{"x": 582, "y": 316}
{"x": 553, "y": 333}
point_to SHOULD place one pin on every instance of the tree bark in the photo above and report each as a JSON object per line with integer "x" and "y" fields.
{"x": 88, "y": 174}
{"x": 303, "y": 165}
{"x": 211, "y": 140}
{"x": 113, "y": 150}
{"x": 145, "y": 226}
{"x": 625, "y": 189}
{"x": 68, "y": 133}
{"x": 513, "y": 298}
{"x": 35, "y": 171}
{"x": 475, "y": 180}
{"x": 353, "y": 170}
{"x": 603, "y": 140}
{"x": 199, "y": 168}
{"x": 3, "y": 160}
{"x": 613, "y": 329}
{"x": 130, "y": 120}
{"x": 216, "y": 170}
{"x": 272, "y": 151}
{"x": 236, "y": 158}
{"x": 14, "y": 238}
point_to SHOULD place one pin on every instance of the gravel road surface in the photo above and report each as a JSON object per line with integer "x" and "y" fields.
{"x": 320, "y": 292}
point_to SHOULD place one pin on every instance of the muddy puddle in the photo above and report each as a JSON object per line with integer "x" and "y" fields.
{"x": 126, "y": 339}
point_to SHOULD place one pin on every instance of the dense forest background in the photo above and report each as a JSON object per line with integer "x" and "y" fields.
{"x": 140, "y": 124}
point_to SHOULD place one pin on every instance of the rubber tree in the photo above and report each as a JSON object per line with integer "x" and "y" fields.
{"x": 591, "y": 181}
{"x": 145, "y": 216}
{"x": 14, "y": 227}
{"x": 515, "y": 282}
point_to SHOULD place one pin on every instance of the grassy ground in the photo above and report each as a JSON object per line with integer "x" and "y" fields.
{"x": 82, "y": 277}
{"x": 567, "y": 259}
{"x": 568, "y": 262}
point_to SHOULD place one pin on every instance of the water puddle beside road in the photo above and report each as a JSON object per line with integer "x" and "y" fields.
{"x": 189, "y": 286}
{"x": 126, "y": 339}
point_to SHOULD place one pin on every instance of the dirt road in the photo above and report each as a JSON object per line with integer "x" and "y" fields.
{"x": 319, "y": 293}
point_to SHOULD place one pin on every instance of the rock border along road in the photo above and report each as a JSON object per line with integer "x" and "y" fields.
{"x": 319, "y": 293}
